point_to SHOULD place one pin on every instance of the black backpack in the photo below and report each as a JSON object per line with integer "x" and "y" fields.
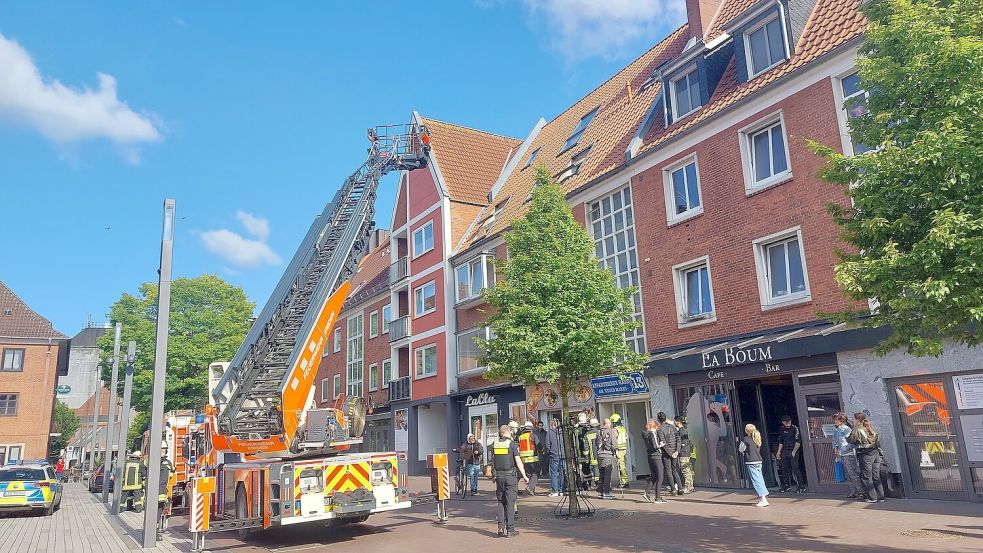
{"x": 604, "y": 441}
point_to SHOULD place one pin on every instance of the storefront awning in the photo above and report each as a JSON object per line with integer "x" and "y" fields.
{"x": 786, "y": 343}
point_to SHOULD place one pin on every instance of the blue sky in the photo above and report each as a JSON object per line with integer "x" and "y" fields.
{"x": 250, "y": 115}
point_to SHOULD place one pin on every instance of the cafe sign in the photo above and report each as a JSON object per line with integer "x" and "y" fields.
{"x": 484, "y": 398}
{"x": 63, "y": 389}
{"x": 736, "y": 356}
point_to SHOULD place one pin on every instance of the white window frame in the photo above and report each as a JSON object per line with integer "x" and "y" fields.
{"x": 386, "y": 380}
{"x": 679, "y": 272}
{"x": 746, "y": 135}
{"x": 336, "y": 386}
{"x": 373, "y": 375}
{"x": 374, "y": 324}
{"x": 337, "y": 340}
{"x": 417, "y": 305}
{"x": 5, "y": 448}
{"x": 747, "y": 45}
{"x": 672, "y": 217}
{"x": 416, "y": 368}
{"x": 483, "y": 332}
{"x": 487, "y": 276}
{"x": 764, "y": 279}
{"x": 386, "y": 319}
{"x": 423, "y": 230}
{"x": 325, "y": 390}
{"x": 355, "y": 357}
{"x": 676, "y": 116}
{"x": 842, "y": 117}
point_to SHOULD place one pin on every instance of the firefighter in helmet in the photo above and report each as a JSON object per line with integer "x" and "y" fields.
{"x": 528, "y": 446}
{"x": 621, "y": 447}
{"x": 134, "y": 476}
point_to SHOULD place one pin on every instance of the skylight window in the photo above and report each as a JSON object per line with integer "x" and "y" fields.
{"x": 532, "y": 158}
{"x": 579, "y": 131}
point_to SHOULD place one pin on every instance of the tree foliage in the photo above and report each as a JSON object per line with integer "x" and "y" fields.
{"x": 209, "y": 319}
{"x": 916, "y": 220}
{"x": 559, "y": 317}
{"x": 66, "y": 422}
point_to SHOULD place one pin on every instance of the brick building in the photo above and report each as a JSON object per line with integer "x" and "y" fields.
{"x": 33, "y": 355}
{"x": 690, "y": 170}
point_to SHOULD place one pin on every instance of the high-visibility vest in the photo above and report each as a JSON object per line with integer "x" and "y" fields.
{"x": 527, "y": 449}
{"x": 589, "y": 453}
{"x": 502, "y": 460}
{"x": 131, "y": 476}
{"x": 621, "y": 444}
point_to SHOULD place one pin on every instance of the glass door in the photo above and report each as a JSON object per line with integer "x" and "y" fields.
{"x": 484, "y": 426}
{"x": 820, "y": 403}
{"x": 710, "y": 420}
{"x": 928, "y": 442}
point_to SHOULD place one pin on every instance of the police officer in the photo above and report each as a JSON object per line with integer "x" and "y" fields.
{"x": 506, "y": 464}
{"x": 789, "y": 443}
{"x": 529, "y": 446}
{"x": 621, "y": 447}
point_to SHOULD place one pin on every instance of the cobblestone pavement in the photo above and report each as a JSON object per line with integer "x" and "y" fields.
{"x": 704, "y": 521}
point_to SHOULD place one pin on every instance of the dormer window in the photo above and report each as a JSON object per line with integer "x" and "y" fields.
{"x": 685, "y": 94}
{"x": 532, "y": 158}
{"x": 765, "y": 46}
{"x": 574, "y": 138}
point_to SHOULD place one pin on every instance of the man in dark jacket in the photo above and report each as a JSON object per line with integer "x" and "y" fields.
{"x": 669, "y": 436}
{"x": 553, "y": 450}
{"x": 540, "y": 432}
{"x": 685, "y": 455}
{"x": 471, "y": 453}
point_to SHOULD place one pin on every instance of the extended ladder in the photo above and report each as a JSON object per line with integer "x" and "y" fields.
{"x": 250, "y": 392}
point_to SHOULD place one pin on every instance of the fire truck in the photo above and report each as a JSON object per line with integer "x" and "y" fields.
{"x": 264, "y": 451}
{"x": 177, "y": 426}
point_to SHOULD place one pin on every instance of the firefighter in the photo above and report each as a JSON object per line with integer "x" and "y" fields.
{"x": 588, "y": 453}
{"x": 621, "y": 447}
{"x": 134, "y": 476}
{"x": 506, "y": 464}
{"x": 528, "y": 446}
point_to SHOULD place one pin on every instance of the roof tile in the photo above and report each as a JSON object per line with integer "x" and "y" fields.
{"x": 17, "y": 320}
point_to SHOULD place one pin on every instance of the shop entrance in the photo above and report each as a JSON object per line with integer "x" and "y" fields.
{"x": 763, "y": 402}
{"x": 634, "y": 415}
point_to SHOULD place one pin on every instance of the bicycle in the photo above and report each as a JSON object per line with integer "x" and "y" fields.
{"x": 460, "y": 477}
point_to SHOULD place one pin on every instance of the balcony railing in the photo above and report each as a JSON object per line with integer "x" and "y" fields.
{"x": 399, "y": 270}
{"x": 399, "y": 389}
{"x": 399, "y": 329}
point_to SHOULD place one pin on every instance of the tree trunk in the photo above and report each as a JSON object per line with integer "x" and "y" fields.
{"x": 568, "y": 453}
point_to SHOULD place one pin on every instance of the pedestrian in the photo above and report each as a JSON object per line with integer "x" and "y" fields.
{"x": 472, "y": 454}
{"x": 553, "y": 447}
{"x": 686, "y": 454}
{"x": 513, "y": 428}
{"x": 846, "y": 454}
{"x": 507, "y": 465}
{"x": 670, "y": 453}
{"x": 789, "y": 444}
{"x": 605, "y": 445}
{"x": 528, "y": 447}
{"x": 653, "y": 451}
{"x": 621, "y": 448}
{"x": 540, "y": 431}
{"x": 867, "y": 443}
{"x": 751, "y": 448}
{"x": 60, "y": 469}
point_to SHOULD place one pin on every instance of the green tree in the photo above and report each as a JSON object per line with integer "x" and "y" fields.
{"x": 559, "y": 317}
{"x": 209, "y": 319}
{"x": 65, "y": 422}
{"x": 916, "y": 220}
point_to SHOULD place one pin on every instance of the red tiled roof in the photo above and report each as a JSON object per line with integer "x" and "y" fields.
{"x": 623, "y": 104}
{"x": 372, "y": 269}
{"x": 832, "y": 23}
{"x": 728, "y": 12}
{"x": 17, "y": 320}
{"x": 470, "y": 160}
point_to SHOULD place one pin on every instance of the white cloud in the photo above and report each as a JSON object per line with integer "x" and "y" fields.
{"x": 236, "y": 249}
{"x": 581, "y": 29}
{"x": 257, "y": 226}
{"x": 64, "y": 114}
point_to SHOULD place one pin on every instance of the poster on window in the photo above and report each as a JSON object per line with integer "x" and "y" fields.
{"x": 402, "y": 434}
{"x": 969, "y": 390}
{"x": 546, "y": 397}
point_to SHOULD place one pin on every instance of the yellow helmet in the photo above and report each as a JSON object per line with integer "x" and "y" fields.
{"x": 615, "y": 418}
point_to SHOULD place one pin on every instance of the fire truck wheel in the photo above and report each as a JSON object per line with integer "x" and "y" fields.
{"x": 354, "y": 520}
{"x": 242, "y": 513}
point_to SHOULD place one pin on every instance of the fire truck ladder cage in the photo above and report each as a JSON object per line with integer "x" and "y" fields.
{"x": 250, "y": 390}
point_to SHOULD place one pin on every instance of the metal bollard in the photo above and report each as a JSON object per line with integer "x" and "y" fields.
{"x": 440, "y": 483}
{"x": 198, "y": 510}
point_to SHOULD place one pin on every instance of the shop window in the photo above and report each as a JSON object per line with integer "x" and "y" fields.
{"x": 612, "y": 226}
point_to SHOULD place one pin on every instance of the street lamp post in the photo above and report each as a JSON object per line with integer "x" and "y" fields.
{"x": 160, "y": 369}
{"x": 124, "y": 425}
{"x": 110, "y": 426}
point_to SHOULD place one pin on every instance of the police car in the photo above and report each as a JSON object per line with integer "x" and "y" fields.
{"x": 29, "y": 487}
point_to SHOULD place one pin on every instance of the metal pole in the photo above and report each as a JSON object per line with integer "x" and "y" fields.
{"x": 160, "y": 369}
{"x": 111, "y": 425}
{"x": 93, "y": 442}
{"x": 124, "y": 425}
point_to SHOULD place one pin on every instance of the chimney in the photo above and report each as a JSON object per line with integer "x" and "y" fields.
{"x": 699, "y": 14}
{"x": 377, "y": 237}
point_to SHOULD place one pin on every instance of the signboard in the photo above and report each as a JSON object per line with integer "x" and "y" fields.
{"x": 973, "y": 436}
{"x": 729, "y": 357}
{"x": 614, "y": 385}
{"x": 63, "y": 389}
{"x": 484, "y": 398}
{"x": 401, "y": 417}
{"x": 546, "y": 397}
{"x": 969, "y": 390}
